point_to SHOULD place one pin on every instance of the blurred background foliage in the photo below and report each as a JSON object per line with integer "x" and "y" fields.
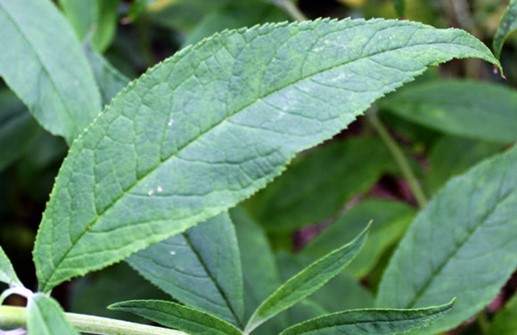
{"x": 326, "y": 196}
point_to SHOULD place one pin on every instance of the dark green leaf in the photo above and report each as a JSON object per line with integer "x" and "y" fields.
{"x": 45, "y": 317}
{"x": 304, "y": 195}
{"x": 306, "y": 282}
{"x": 208, "y": 130}
{"x": 173, "y": 315}
{"x": 505, "y": 322}
{"x": 370, "y": 322}
{"x": 400, "y": 6}
{"x": 462, "y": 244}
{"x": 451, "y": 156}
{"x": 200, "y": 268}
{"x": 390, "y": 220}
{"x": 507, "y": 25}
{"x": 477, "y": 110}
{"x": 44, "y": 65}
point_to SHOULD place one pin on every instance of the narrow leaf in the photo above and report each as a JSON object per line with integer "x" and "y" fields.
{"x": 44, "y": 65}
{"x": 400, "y": 6}
{"x": 505, "y": 321}
{"x": 507, "y": 25}
{"x": 370, "y": 321}
{"x": 109, "y": 80}
{"x": 478, "y": 110}
{"x": 7, "y": 273}
{"x": 45, "y": 317}
{"x": 390, "y": 220}
{"x": 288, "y": 204}
{"x": 464, "y": 244}
{"x": 208, "y": 129}
{"x": 173, "y": 315}
{"x": 306, "y": 282}
{"x": 200, "y": 268}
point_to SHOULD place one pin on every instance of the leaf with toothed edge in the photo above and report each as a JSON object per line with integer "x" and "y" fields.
{"x": 201, "y": 268}
{"x": 217, "y": 121}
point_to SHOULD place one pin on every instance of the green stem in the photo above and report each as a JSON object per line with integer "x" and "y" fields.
{"x": 15, "y": 317}
{"x": 399, "y": 158}
{"x": 290, "y": 8}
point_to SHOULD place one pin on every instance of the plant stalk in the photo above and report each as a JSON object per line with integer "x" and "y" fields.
{"x": 16, "y": 317}
{"x": 399, "y": 158}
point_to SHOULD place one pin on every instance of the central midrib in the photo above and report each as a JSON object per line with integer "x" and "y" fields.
{"x": 187, "y": 144}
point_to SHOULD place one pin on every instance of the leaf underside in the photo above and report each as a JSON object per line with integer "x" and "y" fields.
{"x": 464, "y": 244}
{"x": 216, "y": 122}
{"x": 201, "y": 268}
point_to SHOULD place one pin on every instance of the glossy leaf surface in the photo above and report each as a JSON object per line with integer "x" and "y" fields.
{"x": 44, "y": 65}
{"x": 463, "y": 244}
{"x": 176, "y": 316}
{"x": 369, "y": 322}
{"x": 471, "y": 109}
{"x": 45, "y": 317}
{"x": 205, "y": 129}
{"x": 201, "y": 268}
{"x": 306, "y": 282}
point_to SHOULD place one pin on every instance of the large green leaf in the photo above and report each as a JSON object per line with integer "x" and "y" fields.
{"x": 17, "y": 129}
{"x": 477, "y": 110}
{"x": 505, "y": 321}
{"x": 200, "y": 268}
{"x": 97, "y": 18}
{"x": 507, "y": 25}
{"x": 7, "y": 273}
{"x": 306, "y": 282}
{"x": 176, "y": 316}
{"x": 205, "y": 129}
{"x": 45, "y": 317}
{"x": 44, "y": 65}
{"x": 390, "y": 220}
{"x": 464, "y": 244}
{"x": 451, "y": 156}
{"x": 369, "y": 322}
{"x": 289, "y": 203}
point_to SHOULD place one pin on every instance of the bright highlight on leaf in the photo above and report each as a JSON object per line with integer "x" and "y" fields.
{"x": 371, "y": 321}
{"x": 216, "y": 122}
{"x": 44, "y": 65}
{"x": 306, "y": 282}
{"x": 462, "y": 244}
{"x": 176, "y": 316}
{"x": 45, "y": 317}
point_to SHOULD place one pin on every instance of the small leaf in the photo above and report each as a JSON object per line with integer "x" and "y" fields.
{"x": 505, "y": 321}
{"x": 45, "y": 67}
{"x": 45, "y": 317}
{"x": 288, "y": 204}
{"x": 173, "y": 315}
{"x": 95, "y": 17}
{"x": 507, "y": 25}
{"x": 464, "y": 244}
{"x": 306, "y": 282}
{"x": 370, "y": 321}
{"x": 208, "y": 129}
{"x": 451, "y": 156}
{"x": 478, "y": 110}
{"x": 390, "y": 220}
{"x": 200, "y": 267}
{"x": 7, "y": 273}
{"x": 109, "y": 80}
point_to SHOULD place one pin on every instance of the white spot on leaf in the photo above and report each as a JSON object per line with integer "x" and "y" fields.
{"x": 173, "y": 252}
{"x": 150, "y": 193}
{"x": 159, "y": 189}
